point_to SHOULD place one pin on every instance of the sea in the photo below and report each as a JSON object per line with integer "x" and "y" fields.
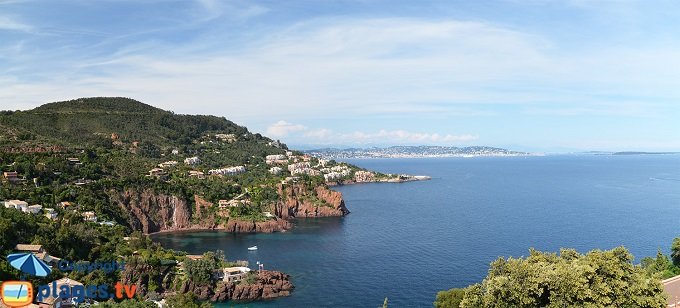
{"x": 407, "y": 241}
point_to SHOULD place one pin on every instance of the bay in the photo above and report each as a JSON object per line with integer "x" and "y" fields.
{"x": 407, "y": 241}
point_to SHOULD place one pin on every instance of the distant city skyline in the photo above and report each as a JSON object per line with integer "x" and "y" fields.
{"x": 528, "y": 75}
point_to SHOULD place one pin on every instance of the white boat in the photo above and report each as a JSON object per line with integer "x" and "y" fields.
{"x": 252, "y": 248}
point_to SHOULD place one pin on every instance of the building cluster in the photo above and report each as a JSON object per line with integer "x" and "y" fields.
{"x": 170, "y": 163}
{"x": 157, "y": 172}
{"x": 302, "y": 168}
{"x": 30, "y": 209}
{"x": 364, "y": 176}
{"x": 336, "y": 173}
{"x": 23, "y": 206}
{"x": 228, "y": 170}
{"x": 225, "y": 204}
{"x": 276, "y": 159}
{"x": 196, "y": 174}
{"x": 51, "y": 213}
{"x": 296, "y": 165}
{"x": 229, "y": 138}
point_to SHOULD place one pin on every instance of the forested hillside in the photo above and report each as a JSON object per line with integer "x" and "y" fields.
{"x": 91, "y": 122}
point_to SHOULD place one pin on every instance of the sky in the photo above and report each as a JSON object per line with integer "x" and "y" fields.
{"x": 534, "y": 75}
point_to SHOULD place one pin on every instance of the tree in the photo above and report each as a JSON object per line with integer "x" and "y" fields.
{"x": 675, "y": 251}
{"x": 200, "y": 271}
{"x": 450, "y": 298}
{"x": 185, "y": 300}
{"x": 660, "y": 265}
{"x": 128, "y": 303}
{"x": 596, "y": 279}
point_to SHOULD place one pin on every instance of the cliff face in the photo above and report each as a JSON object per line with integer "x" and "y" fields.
{"x": 142, "y": 274}
{"x": 240, "y": 226}
{"x": 268, "y": 285}
{"x": 151, "y": 212}
{"x": 298, "y": 201}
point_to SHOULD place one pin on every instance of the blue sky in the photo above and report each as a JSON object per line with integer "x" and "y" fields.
{"x": 525, "y": 74}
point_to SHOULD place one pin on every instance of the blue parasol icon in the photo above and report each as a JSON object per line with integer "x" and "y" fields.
{"x": 29, "y": 264}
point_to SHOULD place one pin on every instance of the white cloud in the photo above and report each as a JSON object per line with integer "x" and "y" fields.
{"x": 322, "y": 133}
{"x": 239, "y": 10}
{"x": 7, "y": 23}
{"x": 363, "y": 68}
{"x": 283, "y": 128}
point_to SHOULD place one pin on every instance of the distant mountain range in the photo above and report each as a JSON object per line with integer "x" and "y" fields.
{"x": 412, "y": 151}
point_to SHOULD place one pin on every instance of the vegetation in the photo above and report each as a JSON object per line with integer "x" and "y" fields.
{"x": 185, "y": 300}
{"x": 596, "y": 279}
{"x": 90, "y": 152}
{"x": 128, "y": 303}
{"x": 117, "y": 141}
{"x": 450, "y": 298}
{"x": 201, "y": 270}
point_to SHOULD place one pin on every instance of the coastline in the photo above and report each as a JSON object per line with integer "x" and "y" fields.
{"x": 186, "y": 230}
{"x": 282, "y": 225}
{"x": 406, "y": 178}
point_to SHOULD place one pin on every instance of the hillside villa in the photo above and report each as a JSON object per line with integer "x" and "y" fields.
{"x": 192, "y": 160}
{"x": 11, "y": 177}
{"x": 231, "y": 274}
{"x": 90, "y": 216}
{"x": 39, "y": 252}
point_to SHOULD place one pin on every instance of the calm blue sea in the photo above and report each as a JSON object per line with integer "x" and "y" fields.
{"x": 407, "y": 241}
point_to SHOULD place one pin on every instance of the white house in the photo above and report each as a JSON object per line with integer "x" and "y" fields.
{"x": 228, "y": 170}
{"x": 192, "y": 160}
{"x": 226, "y": 137}
{"x": 196, "y": 174}
{"x": 275, "y": 170}
{"x": 276, "y": 159}
{"x": 231, "y": 274}
{"x": 90, "y": 216}
{"x": 169, "y": 163}
{"x": 17, "y": 204}
{"x": 50, "y": 213}
{"x": 33, "y": 209}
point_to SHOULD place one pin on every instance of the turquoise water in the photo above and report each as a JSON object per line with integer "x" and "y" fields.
{"x": 407, "y": 241}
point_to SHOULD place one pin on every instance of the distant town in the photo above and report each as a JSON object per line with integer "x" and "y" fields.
{"x": 413, "y": 152}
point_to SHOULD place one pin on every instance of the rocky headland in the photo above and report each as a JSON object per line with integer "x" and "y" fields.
{"x": 267, "y": 285}
{"x": 152, "y": 212}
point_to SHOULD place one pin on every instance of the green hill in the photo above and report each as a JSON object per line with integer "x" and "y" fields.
{"x": 89, "y": 122}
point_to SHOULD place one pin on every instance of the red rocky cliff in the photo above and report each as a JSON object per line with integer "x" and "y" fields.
{"x": 298, "y": 201}
{"x": 268, "y": 285}
{"x": 151, "y": 212}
